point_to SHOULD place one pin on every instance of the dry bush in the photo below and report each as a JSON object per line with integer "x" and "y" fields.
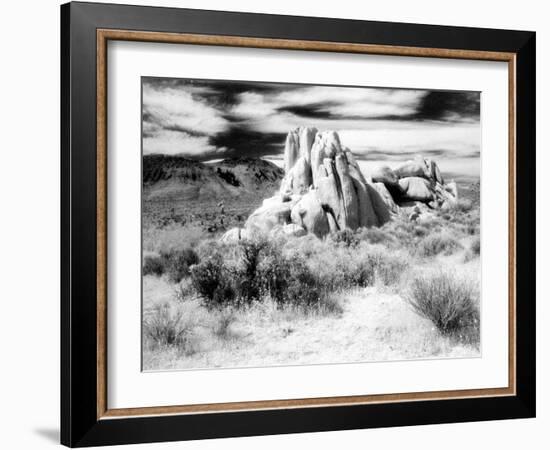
{"x": 388, "y": 266}
{"x": 461, "y": 205}
{"x": 450, "y": 302}
{"x": 341, "y": 268}
{"x": 228, "y": 251}
{"x": 345, "y": 237}
{"x": 185, "y": 290}
{"x": 222, "y": 326}
{"x": 153, "y": 265}
{"x": 167, "y": 326}
{"x": 247, "y": 276}
{"x": 376, "y": 236}
{"x": 177, "y": 263}
{"x": 211, "y": 280}
{"x": 473, "y": 250}
{"x": 253, "y": 270}
{"x": 258, "y": 269}
{"x": 475, "y": 246}
{"x": 303, "y": 287}
{"x": 275, "y": 271}
{"x": 306, "y": 246}
{"x": 438, "y": 243}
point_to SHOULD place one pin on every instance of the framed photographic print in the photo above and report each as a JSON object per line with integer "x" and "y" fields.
{"x": 276, "y": 224}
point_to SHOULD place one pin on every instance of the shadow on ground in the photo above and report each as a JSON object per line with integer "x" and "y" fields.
{"x": 49, "y": 434}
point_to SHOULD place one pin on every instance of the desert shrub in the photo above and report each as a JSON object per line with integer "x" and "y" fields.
{"x": 288, "y": 279}
{"x": 438, "y": 243}
{"x": 420, "y": 231}
{"x": 303, "y": 288}
{"x": 260, "y": 270}
{"x": 178, "y": 262}
{"x": 462, "y": 205}
{"x": 359, "y": 272}
{"x": 307, "y": 246}
{"x": 475, "y": 246}
{"x": 388, "y": 268}
{"x": 361, "y": 266}
{"x": 162, "y": 239}
{"x": 345, "y": 237}
{"x": 212, "y": 281}
{"x": 338, "y": 268}
{"x": 231, "y": 275}
{"x": 166, "y": 326}
{"x": 222, "y": 326}
{"x": 153, "y": 265}
{"x": 449, "y": 302}
{"x": 252, "y": 270}
{"x": 229, "y": 252}
{"x": 376, "y": 235}
{"x": 247, "y": 277}
{"x": 401, "y": 233}
{"x": 471, "y": 229}
{"x": 435, "y": 223}
{"x": 185, "y": 290}
{"x": 275, "y": 272}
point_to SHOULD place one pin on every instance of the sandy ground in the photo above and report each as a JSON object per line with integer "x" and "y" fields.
{"x": 374, "y": 325}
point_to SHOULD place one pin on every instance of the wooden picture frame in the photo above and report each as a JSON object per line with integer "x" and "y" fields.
{"x": 86, "y": 418}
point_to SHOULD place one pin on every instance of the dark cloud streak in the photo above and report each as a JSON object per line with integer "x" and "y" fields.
{"x": 240, "y": 140}
{"x": 238, "y": 134}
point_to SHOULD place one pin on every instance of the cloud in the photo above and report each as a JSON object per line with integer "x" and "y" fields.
{"x": 398, "y": 137}
{"x": 177, "y": 120}
{"x": 253, "y": 105}
{"x": 330, "y": 102}
{"x": 175, "y": 143}
{"x": 169, "y": 107}
{"x": 356, "y": 102}
{"x": 205, "y": 119}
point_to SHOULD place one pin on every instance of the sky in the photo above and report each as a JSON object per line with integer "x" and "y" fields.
{"x": 216, "y": 119}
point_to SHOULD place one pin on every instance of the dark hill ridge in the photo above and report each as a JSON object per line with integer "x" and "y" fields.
{"x": 188, "y": 190}
{"x": 250, "y": 172}
{"x": 235, "y": 172}
{"x": 163, "y": 167}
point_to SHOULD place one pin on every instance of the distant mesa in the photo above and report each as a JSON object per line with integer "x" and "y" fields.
{"x": 324, "y": 190}
{"x": 172, "y": 179}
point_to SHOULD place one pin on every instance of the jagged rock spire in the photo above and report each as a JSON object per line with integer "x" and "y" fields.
{"x": 324, "y": 190}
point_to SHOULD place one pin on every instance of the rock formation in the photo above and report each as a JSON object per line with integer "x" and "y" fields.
{"x": 420, "y": 180}
{"x": 324, "y": 190}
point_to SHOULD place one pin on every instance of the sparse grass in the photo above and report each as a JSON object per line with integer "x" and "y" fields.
{"x": 222, "y": 326}
{"x": 173, "y": 237}
{"x": 375, "y": 236}
{"x": 389, "y": 267}
{"x": 449, "y": 302}
{"x": 167, "y": 326}
{"x": 462, "y": 205}
{"x": 439, "y": 243}
{"x": 367, "y": 326}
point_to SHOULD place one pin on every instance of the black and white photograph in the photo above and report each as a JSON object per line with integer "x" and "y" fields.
{"x": 290, "y": 224}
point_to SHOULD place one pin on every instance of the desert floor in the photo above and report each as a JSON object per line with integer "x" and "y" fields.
{"x": 373, "y": 323}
